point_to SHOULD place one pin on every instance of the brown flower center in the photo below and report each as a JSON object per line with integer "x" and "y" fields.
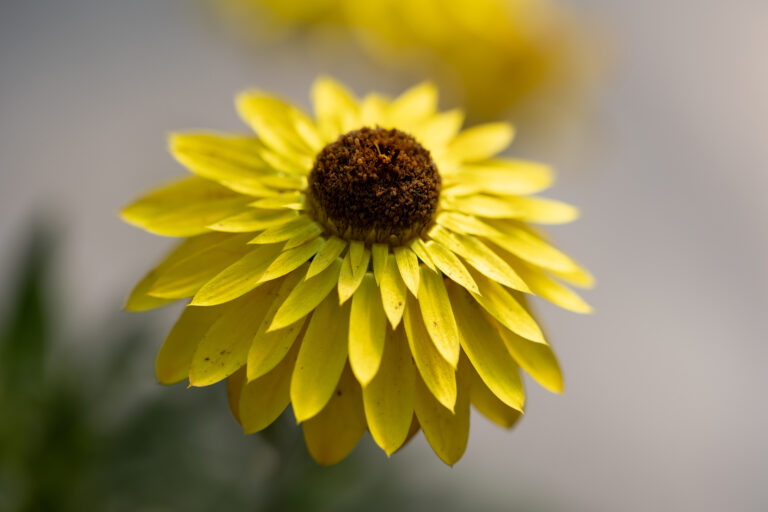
{"x": 374, "y": 185}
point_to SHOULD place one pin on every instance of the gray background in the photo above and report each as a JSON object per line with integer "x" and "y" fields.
{"x": 665, "y": 406}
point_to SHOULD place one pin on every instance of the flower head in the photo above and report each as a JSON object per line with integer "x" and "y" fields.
{"x": 368, "y": 267}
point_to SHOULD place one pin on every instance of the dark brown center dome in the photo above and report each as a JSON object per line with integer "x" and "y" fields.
{"x": 375, "y": 185}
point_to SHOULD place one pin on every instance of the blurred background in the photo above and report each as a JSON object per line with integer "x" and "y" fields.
{"x": 654, "y": 114}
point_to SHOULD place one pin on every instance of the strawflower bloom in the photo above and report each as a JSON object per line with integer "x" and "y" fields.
{"x": 495, "y": 55}
{"x": 369, "y": 267}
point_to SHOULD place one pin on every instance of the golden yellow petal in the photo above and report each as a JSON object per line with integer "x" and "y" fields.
{"x": 419, "y": 247}
{"x": 350, "y": 279}
{"x": 466, "y": 224}
{"x": 335, "y": 108}
{"x": 446, "y": 431}
{"x": 551, "y": 290}
{"x": 270, "y": 347}
{"x": 438, "y": 315}
{"x": 501, "y": 177}
{"x": 533, "y": 249}
{"x": 393, "y": 293}
{"x": 287, "y": 200}
{"x": 502, "y": 305}
{"x": 220, "y": 157}
{"x": 278, "y": 124}
{"x": 535, "y": 358}
{"x": 185, "y": 277}
{"x": 388, "y": 398}
{"x": 183, "y": 208}
{"x": 481, "y": 257}
{"x": 417, "y": 103}
{"x": 321, "y": 359}
{"x": 306, "y": 296}
{"x": 235, "y": 384}
{"x": 367, "y": 330}
{"x": 291, "y": 259}
{"x": 326, "y": 255}
{"x": 480, "y": 142}
{"x": 237, "y": 279}
{"x": 379, "y": 254}
{"x": 408, "y": 264}
{"x": 253, "y": 219}
{"x": 438, "y": 374}
{"x": 486, "y": 402}
{"x": 336, "y": 430}
{"x": 287, "y": 230}
{"x": 224, "y": 348}
{"x": 435, "y": 132}
{"x": 263, "y": 400}
{"x": 175, "y": 356}
{"x": 450, "y": 265}
{"x": 486, "y": 350}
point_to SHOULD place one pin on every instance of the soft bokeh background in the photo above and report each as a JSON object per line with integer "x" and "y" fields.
{"x": 665, "y": 406}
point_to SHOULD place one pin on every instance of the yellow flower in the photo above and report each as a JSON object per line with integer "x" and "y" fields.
{"x": 493, "y": 55}
{"x": 367, "y": 267}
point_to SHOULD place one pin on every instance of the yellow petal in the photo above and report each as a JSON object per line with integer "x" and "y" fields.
{"x": 288, "y": 200}
{"x": 139, "y": 300}
{"x": 485, "y": 206}
{"x": 481, "y": 142}
{"x": 185, "y": 277}
{"x": 502, "y": 305}
{"x": 350, "y": 279}
{"x": 234, "y": 390}
{"x": 535, "y": 358}
{"x": 321, "y": 359}
{"x": 553, "y": 291}
{"x": 175, "y": 356}
{"x": 450, "y": 265}
{"x": 408, "y": 264}
{"x": 237, "y": 279}
{"x": 438, "y": 374}
{"x": 326, "y": 255}
{"x": 270, "y": 347}
{"x": 481, "y": 257}
{"x": 280, "y": 125}
{"x": 183, "y": 208}
{"x": 531, "y": 248}
{"x": 388, "y": 398}
{"x": 577, "y": 277}
{"x": 224, "y": 348}
{"x": 393, "y": 293}
{"x": 438, "y": 315}
{"x": 417, "y": 103}
{"x": 367, "y": 330}
{"x": 435, "y": 132}
{"x": 263, "y": 400}
{"x": 486, "y": 351}
{"x": 466, "y": 224}
{"x": 374, "y": 111}
{"x": 288, "y": 230}
{"x": 486, "y": 402}
{"x": 543, "y": 211}
{"x": 253, "y": 219}
{"x": 446, "y": 431}
{"x": 291, "y": 259}
{"x": 219, "y": 157}
{"x": 356, "y": 253}
{"x": 505, "y": 177}
{"x": 379, "y": 254}
{"x": 306, "y": 296}
{"x": 336, "y": 430}
{"x": 335, "y": 107}
{"x": 420, "y": 249}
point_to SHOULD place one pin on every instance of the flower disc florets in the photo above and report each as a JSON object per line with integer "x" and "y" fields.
{"x": 376, "y": 185}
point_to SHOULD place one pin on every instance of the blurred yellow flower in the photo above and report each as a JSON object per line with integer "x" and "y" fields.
{"x": 492, "y": 54}
{"x": 421, "y": 230}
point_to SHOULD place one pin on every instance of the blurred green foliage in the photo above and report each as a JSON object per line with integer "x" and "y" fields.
{"x": 84, "y": 427}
